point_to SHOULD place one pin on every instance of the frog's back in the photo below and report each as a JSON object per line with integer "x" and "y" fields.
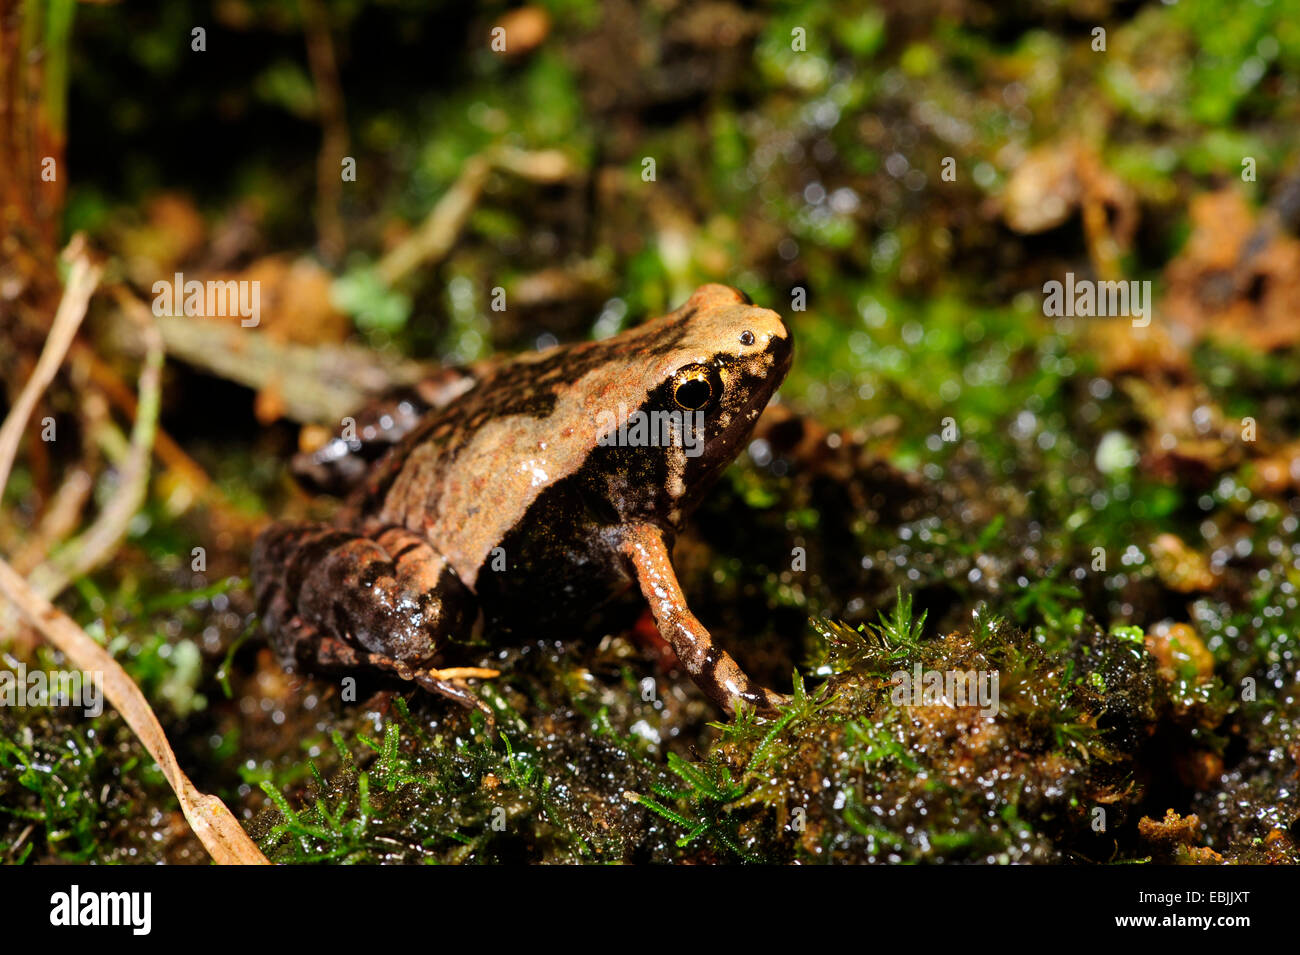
{"x": 468, "y": 472}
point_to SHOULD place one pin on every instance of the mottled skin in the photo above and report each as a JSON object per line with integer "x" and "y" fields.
{"x": 503, "y": 498}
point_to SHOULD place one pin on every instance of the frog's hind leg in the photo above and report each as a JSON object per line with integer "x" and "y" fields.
{"x": 712, "y": 668}
{"x": 335, "y": 600}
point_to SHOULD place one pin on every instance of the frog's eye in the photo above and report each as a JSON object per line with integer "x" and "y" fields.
{"x": 692, "y": 387}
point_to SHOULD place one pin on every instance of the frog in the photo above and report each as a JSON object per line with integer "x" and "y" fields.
{"x": 520, "y": 496}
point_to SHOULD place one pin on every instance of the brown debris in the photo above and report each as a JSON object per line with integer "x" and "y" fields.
{"x": 1199, "y": 769}
{"x": 1054, "y": 181}
{"x": 1238, "y": 278}
{"x": 1181, "y": 568}
{"x": 172, "y": 234}
{"x": 526, "y": 28}
{"x": 1188, "y": 438}
{"x": 1170, "y": 832}
{"x": 1277, "y": 473}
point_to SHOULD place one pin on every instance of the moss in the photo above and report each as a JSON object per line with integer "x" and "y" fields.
{"x": 73, "y": 790}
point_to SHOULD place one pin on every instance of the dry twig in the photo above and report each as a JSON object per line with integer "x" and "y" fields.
{"x": 90, "y": 549}
{"x": 436, "y": 235}
{"x": 334, "y": 129}
{"x": 441, "y": 227}
{"x": 82, "y": 279}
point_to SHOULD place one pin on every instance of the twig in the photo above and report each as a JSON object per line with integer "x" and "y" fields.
{"x": 320, "y": 383}
{"x": 60, "y": 519}
{"x": 438, "y": 233}
{"x": 208, "y": 816}
{"x": 86, "y": 552}
{"x": 431, "y": 242}
{"x": 214, "y": 824}
{"x": 334, "y": 130}
{"x": 165, "y": 447}
{"x": 82, "y": 279}
{"x": 545, "y": 166}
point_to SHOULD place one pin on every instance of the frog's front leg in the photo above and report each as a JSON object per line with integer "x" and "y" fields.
{"x": 712, "y": 668}
{"x": 335, "y": 600}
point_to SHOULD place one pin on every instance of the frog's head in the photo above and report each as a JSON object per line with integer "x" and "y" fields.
{"x": 713, "y": 366}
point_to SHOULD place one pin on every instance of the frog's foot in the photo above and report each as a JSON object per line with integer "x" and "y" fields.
{"x": 453, "y": 687}
{"x": 449, "y": 683}
{"x": 712, "y": 668}
{"x": 323, "y": 652}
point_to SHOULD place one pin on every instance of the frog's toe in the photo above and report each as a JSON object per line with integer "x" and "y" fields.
{"x": 772, "y": 702}
{"x": 754, "y": 697}
{"x": 454, "y": 688}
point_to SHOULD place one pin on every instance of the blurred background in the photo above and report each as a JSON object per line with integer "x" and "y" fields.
{"x": 1105, "y": 514}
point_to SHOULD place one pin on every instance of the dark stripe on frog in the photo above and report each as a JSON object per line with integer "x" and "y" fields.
{"x": 574, "y": 558}
{"x": 413, "y": 545}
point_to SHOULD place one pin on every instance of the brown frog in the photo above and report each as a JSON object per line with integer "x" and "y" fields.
{"x": 534, "y": 491}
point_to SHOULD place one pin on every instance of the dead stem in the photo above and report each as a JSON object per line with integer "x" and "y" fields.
{"x": 334, "y": 130}
{"x": 89, "y": 550}
{"x": 82, "y": 279}
{"x": 435, "y": 237}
